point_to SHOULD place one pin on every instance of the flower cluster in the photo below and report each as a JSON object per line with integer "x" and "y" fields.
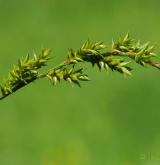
{"x": 71, "y": 75}
{"x": 142, "y": 54}
{"x": 24, "y": 73}
{"x": 95, "y": 53}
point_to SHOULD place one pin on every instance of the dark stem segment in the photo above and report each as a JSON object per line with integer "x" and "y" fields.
{"x": 154, "y": 64}
{"x": 1, "y": 98}
{"x": 16, "y": 89}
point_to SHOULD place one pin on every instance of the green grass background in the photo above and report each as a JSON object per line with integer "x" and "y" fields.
{"x": 111, "y": 120}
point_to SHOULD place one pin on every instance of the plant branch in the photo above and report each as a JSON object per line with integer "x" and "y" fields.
{"x": 116, "y": 58}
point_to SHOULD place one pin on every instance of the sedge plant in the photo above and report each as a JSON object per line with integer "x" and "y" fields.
{"x": 116, "y": 58}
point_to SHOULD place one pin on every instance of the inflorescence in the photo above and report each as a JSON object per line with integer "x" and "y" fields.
{"x": 117, "y": 58}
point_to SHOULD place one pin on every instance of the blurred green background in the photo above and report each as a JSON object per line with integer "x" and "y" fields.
{"x": 111, "y": 120}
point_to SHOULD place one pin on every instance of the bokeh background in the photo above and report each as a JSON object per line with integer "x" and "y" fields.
{"x": 110, "y": 120}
